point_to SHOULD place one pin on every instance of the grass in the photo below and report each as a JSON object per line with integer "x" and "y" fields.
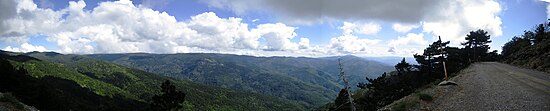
{"x": 409, "y": 103}
{"x": 404, "y": 105}
{"x": 424, "y": 97}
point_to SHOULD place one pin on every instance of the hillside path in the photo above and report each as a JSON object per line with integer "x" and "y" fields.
{"x": 489, "y": 86}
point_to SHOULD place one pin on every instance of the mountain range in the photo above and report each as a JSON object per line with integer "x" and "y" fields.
{"x": 53, "y": 81}
{"x": 211, "y": 81}
{"x": 309, "y": 81}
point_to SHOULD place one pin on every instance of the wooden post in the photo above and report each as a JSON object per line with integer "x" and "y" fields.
{"x": 443, "y": 55}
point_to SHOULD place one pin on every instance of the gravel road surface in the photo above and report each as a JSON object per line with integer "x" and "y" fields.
{"x": 489, "y": 86}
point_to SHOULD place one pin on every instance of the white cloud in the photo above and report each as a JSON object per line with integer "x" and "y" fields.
{"x": 350, "y": 44}
{"x": 23, "y": 17}
{"x": 450, "y": 19}
{"x": 404, "y": 28}
{"x": 26, "y": 47}
{"x": 547, "y": 8}
{"x": 409, "y": 39}
{"x": 304, "y": 43}
{"x": 120, "y": 27}
{"x": 214, "y": 33}
{"x": 361, "y": 28}
{"x": 277, "y": 36}
{"x": 404, "y": 51}
{"x": 464, "y": 16}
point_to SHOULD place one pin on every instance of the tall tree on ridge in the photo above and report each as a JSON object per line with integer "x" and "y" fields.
{"x": 477, "y": 44}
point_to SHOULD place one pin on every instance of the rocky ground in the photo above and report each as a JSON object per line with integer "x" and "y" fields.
{"x": 11, "y": 104}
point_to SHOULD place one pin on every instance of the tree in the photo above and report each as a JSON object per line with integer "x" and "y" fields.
{"x": 477, "y": 44}
{"x": 341, "y": 102}
{"x": 514, "y": 45}
{"x": 540, "y": 34}
{"x": 431, "y": 60}
{"x": 346, "y": 91}
{"x": 403, "y": 66}
{"x": 170, "y": 99}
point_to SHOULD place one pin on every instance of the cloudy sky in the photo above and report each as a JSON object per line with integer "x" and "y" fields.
{"x": 259, "y": 27}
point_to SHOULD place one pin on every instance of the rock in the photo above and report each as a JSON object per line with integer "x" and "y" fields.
{"x": 444, "y": 83}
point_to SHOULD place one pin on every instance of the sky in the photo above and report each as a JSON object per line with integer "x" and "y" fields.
{"x": 310, "y": 28}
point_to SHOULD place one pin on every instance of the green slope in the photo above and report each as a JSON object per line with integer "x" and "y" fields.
{"x": 309, "y": 81}
{"x": 107, "y": 80}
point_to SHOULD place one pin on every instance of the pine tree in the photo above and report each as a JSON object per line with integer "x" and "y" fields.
{"x": 540, "y": 34}
{"x": 430, "y": 60}
{"x": 170, "y": 99}
{"x": 477, "y": 44}
{"x": 403, "y": 67}
{"x": 341, "y": 102}
{"x": 514, "y": 45}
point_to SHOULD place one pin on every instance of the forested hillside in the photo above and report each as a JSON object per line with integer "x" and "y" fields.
{"x": 530, "y": 50}
{"x": 310, "y": 81}
{"x": 53, "y": 81}
{"x": 436, "y": 63}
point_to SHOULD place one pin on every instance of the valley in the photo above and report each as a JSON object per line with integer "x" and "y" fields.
{"x": 309, "y": 81}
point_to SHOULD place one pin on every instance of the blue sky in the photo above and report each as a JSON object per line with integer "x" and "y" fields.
{"x": 259, "y": 27}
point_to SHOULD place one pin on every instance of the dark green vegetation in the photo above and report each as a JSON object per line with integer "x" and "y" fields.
{"x": 381, "y": 91}
{"x": 424, "y": 97}
{"x": 52, "y": 81}
{"x": 309, "y": 81}
{"x": 170, "y": 99}
{"x": 530, "y": 50}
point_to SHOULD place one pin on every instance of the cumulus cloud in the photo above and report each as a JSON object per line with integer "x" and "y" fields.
{"x": 304, "y": 43}
{"x": 547, "y": 8}
{"x": 451, "y": 19}
{"x": 404, "y": 28}
{"x": 20, "y": 18}
{"x": 350, "y": 44}
{"x": 361, "y": 28}
{"x": 464, "y": 16}
{"x": 277, "y": 36}
{"x": 26, "y": 47}
{"x": 120, "y": 26}
{"x": 409, "y": 39}
{"x": 406, "y": 45}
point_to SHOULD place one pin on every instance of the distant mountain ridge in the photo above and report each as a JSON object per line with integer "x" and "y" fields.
{"x": 309, "y": 81}
{"x": 53, "y": 81}
{"x": 391, "y": 60}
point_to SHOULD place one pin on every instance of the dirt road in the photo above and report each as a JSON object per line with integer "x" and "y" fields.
{"x": 493, "y": 86}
